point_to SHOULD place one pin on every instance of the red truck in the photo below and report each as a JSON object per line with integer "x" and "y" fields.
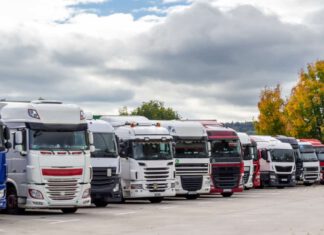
{"x": 256, "y": 165}
{"x": 319, "y": 148}
{"x": 227, "y": 167}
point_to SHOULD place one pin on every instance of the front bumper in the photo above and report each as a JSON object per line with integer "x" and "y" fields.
{"x": 281, "y": 180}
{"x": 107, "y": 193}
{"x": 203, "y": 189}
{"x": 47, "y": 203}
{"x": 220, "y": 190}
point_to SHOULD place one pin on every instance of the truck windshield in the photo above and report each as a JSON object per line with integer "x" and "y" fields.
{"x": 247, "y": 152}
{"x": 105, "y": 145}
{"x": 58, "y": 140}
{"x": 152, "y": 150}
{"x": 282, "y": 155}
{"x": 225, "y": 148}
{"x": 309, "y": 157}
{"x": 191, "y": 149}
{"x": 320, "y": 153}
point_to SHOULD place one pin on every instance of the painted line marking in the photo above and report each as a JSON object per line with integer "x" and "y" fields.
{"x": 126, "y": 213}
{"x": 57, "y": 221}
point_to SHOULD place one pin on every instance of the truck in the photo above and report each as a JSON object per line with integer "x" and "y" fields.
{"x": 308, "y": 163}
{"x": 147, "y": 163}
{"x": 191, "y": 158}
{"x": 105, "y": 162}
{"x": 49, "y": 161}
{"x": 319, "y": 149}
{"x": 227, "y": 167}
{"x": 247, "y": 149}
{"x": 4, "y": 146}
{"x": 277, "y": 162}
{"x": 256, "y": 156}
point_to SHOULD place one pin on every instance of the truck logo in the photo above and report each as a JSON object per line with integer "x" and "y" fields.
{"x": 155, "y": 186}
{"x": 108, "y": 172}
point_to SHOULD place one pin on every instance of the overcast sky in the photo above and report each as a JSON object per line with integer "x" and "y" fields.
{"x": 206, "y": 59}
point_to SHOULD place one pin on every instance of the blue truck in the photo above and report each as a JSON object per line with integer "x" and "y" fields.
{"x": 4, "y": 145}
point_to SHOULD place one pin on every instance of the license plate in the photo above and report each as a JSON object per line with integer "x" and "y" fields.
{"x": 285, "y": 180}
{"x": 227, "y": 190}
{"x": 157, "y": 194}
{"x": 108, "y": 172}
{"x": 192, "y": 193}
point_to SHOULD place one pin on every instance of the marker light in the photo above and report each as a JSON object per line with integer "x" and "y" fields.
{"x": 82, "y": 115}
{"x": 33, "y": 113}
{"x": 133, "y": 124}
{"x": 158, "y": 124}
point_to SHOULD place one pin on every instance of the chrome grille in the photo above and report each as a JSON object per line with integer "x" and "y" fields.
{"x": 157, "y": 173}
{"x": 157, "y": 187}
{"x": 191, "y": 169}
{"x": 62, "y": 189}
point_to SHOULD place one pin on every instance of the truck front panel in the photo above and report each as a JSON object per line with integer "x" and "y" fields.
{"x": 3, "y": 177}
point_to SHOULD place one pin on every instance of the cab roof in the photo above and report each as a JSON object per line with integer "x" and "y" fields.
{"x": 184, "y": 129}
{"x": 100, "y": 126}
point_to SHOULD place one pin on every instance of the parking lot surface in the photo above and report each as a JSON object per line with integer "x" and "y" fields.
{"x": 298, "y": 210}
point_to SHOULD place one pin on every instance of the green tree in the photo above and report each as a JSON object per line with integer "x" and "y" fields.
{"x": 271, "y": 105}
{"x": 153, "y": 110}
{"x": 304, "y": 112}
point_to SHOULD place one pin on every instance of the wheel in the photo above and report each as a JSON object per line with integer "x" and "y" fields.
{"x": 227, "y": 194}
{"x": 308, "y": 184}
{"x": 192, "y": 196}
{"x": 69, "y": 210}
{"x": 322, "y": 182}
{"x": 156, "y": 199}
{"x": 100, "y": 203}
{"x": 12, "y": 202}
{"x": 280, "y": 187}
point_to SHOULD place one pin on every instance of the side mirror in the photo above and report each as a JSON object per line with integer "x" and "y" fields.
{"x": 6, "y": 133}
{"x": 264, "y": 155}
{"x": 209, "y": 148}
{"x": 8, "y": 145}
{"x": 91, "y": 139}
{"x": 18, "y": 141}
{"x": 92, "y": 148}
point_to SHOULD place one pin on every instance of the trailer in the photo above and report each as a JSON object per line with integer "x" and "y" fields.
{"x": 49, "y": 162}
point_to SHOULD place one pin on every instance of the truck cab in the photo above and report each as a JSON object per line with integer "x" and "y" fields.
{"x": 4, "y": 146}
{"x": 308, "y": 164}
{"x": 227, "y": 167}
{"x": 105, "y": 162}
{"x": 256, "y": 155}
{"x": 191, "y": 158}
{"x": 147, "y": 163}
{"x": 319, "y": 149}
{"x": 277, "y": 163}
{"x": 49, "y": 162}
{"x": 247, "y": 150}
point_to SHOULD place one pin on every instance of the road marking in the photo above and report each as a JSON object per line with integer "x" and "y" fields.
{"x": 126, "y": 213}
{"x": 57, "y": 221}
{"x": 167, "y": 207}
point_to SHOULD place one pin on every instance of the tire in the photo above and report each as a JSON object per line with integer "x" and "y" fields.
{"x": 156, "y": 199}
{"x": 12, "y": 203}
{"x": 322, "y": 182}
{"x": 308, "y": 184}
{"x": 192, "y": 196}
{"x": 100, "y": 203}
{"x": 69, "y": 210}
{"x": 227, "y": 194}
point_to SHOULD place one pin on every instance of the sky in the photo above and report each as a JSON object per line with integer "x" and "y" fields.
{"x": 205, "y": 59}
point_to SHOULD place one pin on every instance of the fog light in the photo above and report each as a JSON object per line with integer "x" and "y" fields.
{"x": 273, "y": 177}
{"x": 116, "y": 188}
{"x": 136, "y": 186}
{"x": 173, "y": 185}
{"x": 86, "y": 193}
{"x": 35, "y": 194}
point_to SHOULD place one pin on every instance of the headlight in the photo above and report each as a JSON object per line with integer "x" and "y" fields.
{"x": 116, "y": 188}
{"x": 207, "y": 182}
{"x": 35, "y": 194}
{"x": 2, "y": 193}
{"x": 246, "y": 168}
{"x": 86, "y": 193}
{"x": 136, "y": 186}
{"x": 273, "y": 177}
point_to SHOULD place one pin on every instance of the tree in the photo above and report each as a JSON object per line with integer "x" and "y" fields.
{"x": 153, "y": 110}
{"x": 271, "y": 105}
{"x": 304, "y": 111}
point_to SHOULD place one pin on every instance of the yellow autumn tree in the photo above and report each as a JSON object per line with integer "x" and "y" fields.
{"x": 304, "y": 109}
{"x": 271, "y": 105}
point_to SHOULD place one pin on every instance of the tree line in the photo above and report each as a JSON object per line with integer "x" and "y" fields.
{"x": 300, "y": 115}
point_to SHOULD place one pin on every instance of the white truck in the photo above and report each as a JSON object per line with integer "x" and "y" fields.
{"x": 191, "y": 158}
{"x": 49, "y": 163}
{"x": 309, "y": 164}
{"x": 105, "y": 161}
{"x": 247, "y": 149}
{"x": 277, "y": 163}
{"x": 147, "y": 164}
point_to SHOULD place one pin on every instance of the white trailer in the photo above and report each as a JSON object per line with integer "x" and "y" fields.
{"x": 191, "y": 158}
{"x": 247, "y": 148}
{"x": 147, "y": 164}
{"x": 49, "y": 163}
{"x": 105, "y": 161}
{"x": 277, "y": 163}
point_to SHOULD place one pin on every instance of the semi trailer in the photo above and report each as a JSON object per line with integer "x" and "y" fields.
{"x": 191, "y": 158}
{"x": 277, "y": 162}
{"x": 147, "y": 163}
{"x": 105, "y": 162}
{"x": 248, "y": 154}
{"x": 4, "y": 146}
{"x": 49, "y": 162}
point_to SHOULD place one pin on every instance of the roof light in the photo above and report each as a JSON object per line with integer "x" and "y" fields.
{"x": 33, "y": 113}
{"x": 147, "y": 139}
{"x": 158, "y": 124}
{"x": 133, "y": 124}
